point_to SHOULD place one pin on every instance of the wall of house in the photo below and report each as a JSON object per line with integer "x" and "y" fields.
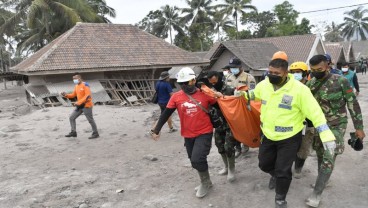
{"x": 55, "y": 78}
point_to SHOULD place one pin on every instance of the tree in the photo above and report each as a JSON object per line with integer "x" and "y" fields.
{"x": 236, "y": 8}
{"x": 197, "y": 12}
{"x": 333, "y": 33}
{"x": 45, "y": 20}
{"x": 356, "y": 23}
{"x": 168, "y": 21}
{"x": 287, "y": 22}
{"x": 220, "y": 21}
{"x": 259, "y": 22}
{"x": 232, "y": 34}
{"x": 147, "y": 23}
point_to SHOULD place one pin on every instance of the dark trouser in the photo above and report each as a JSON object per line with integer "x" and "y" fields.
{"x": 277, "y": 157}
{"x": 88, "y": 113}
{"x": 162, "y": 107}
{"x": 224, "y": 140}
{"x": 198, "y": 148}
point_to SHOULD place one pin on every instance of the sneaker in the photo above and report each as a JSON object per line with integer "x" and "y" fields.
{"x": 94, "y": 136}
{"x": 71, "y": 134}
{"x": 172, "y": 130}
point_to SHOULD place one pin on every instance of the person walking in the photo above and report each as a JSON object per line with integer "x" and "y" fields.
{"x": 196, "y": 126}
{"x": 290, "y": 102}
{"x": 224, "y": 139}
{"x": 333, "y": 94}
{"x": 239, "y": 78}
{"x": 84, "y": 105}
{"x": 351, "y": 77}
{"x": 164, "y": 92}
{"x": 300, "y": 72}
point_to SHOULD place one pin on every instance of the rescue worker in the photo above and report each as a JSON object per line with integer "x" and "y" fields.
{"x": 84, "y": 105}
{"x": 196, "y": 127}
{"x": 350, "y": 76}
{"x": 333, "y": 94}
{"x": 300, "y": 72}
{"x": 289, "y": 101}
{"x": 330, "y": 65}
{"x": 224, "y": 140}
{"x": 237, "y": 79}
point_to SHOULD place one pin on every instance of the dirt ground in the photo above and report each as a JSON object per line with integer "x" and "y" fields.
{"x": 39, "y": 167}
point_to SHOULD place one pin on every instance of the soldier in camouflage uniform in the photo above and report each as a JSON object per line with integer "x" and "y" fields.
{"x": 334, "y": 94}
{"x": 224, "y": 140}
{"x": 238, "y": 78}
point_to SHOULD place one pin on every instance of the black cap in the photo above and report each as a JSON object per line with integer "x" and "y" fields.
{"x": 355, "y": 142}
{"x": 164, "y": 75}
{"x": 226, "y": 67}
{"x": 234, "y": 62}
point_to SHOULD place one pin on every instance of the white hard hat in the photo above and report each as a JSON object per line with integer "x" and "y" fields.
{"x": 185, "y": 74}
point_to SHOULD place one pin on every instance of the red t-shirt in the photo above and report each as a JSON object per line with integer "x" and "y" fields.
{"x": 193, "y": 120}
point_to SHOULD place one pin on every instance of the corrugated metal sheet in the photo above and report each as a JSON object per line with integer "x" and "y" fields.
{"x": 37, "y": 91}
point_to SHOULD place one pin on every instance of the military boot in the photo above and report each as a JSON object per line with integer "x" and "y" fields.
{"x": 224, "y": 170}
{"x": 282, "y": 187}
{"x": 321, "y": 182}
{"x": 298, "y": 166}
{"x": 231, "y": 169}
{"x": 206, "y": 184}
{"x": 72, "y": 134}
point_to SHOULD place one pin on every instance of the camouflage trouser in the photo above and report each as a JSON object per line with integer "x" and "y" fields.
{"x": 326, "y": 161}
{"x": 224, "y": 140}
{"x": 306, "y": 145}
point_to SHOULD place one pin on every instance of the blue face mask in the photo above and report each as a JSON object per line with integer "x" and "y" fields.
{"x": 235, "y": 71}
{"x": 76, "y": 81}
{"x": 298, "y": 76}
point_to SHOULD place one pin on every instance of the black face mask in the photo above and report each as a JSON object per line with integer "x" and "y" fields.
{"x": 274, "y": 79}
{"x": 319, "y": 75}
{"x": 189, "y": 89}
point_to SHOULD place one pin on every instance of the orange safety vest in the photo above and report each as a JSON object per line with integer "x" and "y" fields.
{"x": 83, "y": 94}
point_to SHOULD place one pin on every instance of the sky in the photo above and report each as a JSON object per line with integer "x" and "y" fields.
{"x": 131, "y": 12}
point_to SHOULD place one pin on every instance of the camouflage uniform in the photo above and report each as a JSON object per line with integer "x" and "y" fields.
{"x": 307, "y": 141}
{"x": 333, "y": 98}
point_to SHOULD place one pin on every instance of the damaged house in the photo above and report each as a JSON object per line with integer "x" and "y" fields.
{"x": 120, "y": 62}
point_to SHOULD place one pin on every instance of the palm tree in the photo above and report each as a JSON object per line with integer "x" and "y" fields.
{"x": 220, "y": 21}
{"x": 236, "y": 8}
{"x": 333, "y": 33}
{"x": 355, "y": 24}
{"x": 198, "y": 11}
{"x": 168, "y": 21}
{"x": 47, "y": 19}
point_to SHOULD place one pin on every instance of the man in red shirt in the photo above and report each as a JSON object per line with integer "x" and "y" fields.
{"x": 196, "y": 127}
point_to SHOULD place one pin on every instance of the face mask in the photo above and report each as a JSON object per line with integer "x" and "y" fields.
{"x": 235, "y": 71}
{"x": 298, "y": 76}
{"x": 76, "y": 81}
{"x": 189, "y": 89}
{"x": 344, "y": 69}
{"x": 274, "y": 79}
{"x": 225, "y": 73}
{"x": 319, "y": 75}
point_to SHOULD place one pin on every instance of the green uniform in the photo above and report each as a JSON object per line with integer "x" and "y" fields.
{"x": 333, "y": 97}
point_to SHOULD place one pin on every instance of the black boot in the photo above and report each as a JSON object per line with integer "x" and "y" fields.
{"x": 280, "y": 201}
{"x": 282, "y": 188}
{"x": 72, "y": 134}
{"x": 94, "y": 135}
{"x": 298, "y": 166}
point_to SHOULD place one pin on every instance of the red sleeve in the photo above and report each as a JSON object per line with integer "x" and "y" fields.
{"x": 172, "y": 101}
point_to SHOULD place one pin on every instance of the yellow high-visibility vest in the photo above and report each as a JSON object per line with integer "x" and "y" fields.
{"x": 283, "y": 111}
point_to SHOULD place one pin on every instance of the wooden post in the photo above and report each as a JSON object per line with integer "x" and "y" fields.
{"x": 3, "y": 67}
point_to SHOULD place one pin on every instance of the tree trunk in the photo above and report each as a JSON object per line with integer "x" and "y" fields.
{"x": 3, "y": 67}
{"x": 236, "y": 23}
{"x": 170, "y": 36}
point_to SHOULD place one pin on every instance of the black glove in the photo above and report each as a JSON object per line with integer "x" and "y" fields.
{"x": 355, "y": 142}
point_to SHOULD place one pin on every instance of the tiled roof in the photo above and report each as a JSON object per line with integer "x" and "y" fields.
{"x": 360, "y": 48}
{"x": 297, "y": 47}
{"x": 334, "y": 49}
{"x": 105, "y": 47}
{"x": 254, "y": 54}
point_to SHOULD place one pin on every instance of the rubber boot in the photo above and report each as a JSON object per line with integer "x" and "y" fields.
{"x": 206, "y": 184}
{"x": 298, "y": 166}
{"x": 231, "y": 169}
{"x": 321, "y": 182}
{"x": 282, "y": 187}
{"x": 224, "y": 170}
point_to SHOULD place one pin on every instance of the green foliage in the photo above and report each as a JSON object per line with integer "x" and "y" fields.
{"x": 232, "y": 34}
{"x": 356, "y": 24}
{"x": 333, "y": 33}
{"x": 259, "y": 22}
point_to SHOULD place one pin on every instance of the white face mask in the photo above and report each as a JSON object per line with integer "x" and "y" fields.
{"x": 225, "y": 73}
{"x": 298, "y": 76}
{"x": 344, "y": 69}
{"x": 76, "y": 81}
